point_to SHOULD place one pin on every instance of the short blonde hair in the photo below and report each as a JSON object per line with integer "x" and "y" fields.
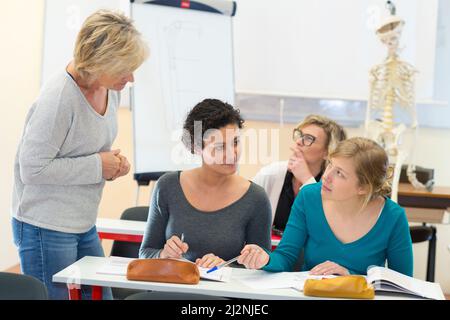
{"x": 108, "y": 43}
{"x": 334, "y": 131}
{"x": 371, "y": 165}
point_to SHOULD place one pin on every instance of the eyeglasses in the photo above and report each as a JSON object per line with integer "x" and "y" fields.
{"x": 307, "y": 139}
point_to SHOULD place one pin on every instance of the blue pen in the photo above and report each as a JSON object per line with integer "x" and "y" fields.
{"x": 222, "y": 265}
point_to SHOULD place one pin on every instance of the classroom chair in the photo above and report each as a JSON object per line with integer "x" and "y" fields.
{"x": 426, "y": 233}
{"x": 21, "y": 287}
{"x": 128, "y": 249}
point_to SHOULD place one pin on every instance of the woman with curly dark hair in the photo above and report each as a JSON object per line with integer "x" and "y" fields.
{"x": 208, "y": 213}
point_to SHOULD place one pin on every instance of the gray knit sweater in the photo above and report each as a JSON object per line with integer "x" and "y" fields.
{"x": 58, "y": 172}
{"x": 223, "y": 232}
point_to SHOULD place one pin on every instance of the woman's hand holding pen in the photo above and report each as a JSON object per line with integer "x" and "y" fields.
{"x": 253, "y": 257}
{"x": 174, "y": 248}
{"x": 209, "y": 260}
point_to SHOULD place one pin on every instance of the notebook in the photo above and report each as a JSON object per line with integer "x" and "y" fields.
{"x": 387, "y": 280}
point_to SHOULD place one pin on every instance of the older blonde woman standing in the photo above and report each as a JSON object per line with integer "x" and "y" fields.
{"x": 65, "y": 153}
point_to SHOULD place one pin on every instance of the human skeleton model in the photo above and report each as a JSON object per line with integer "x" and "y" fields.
{"x": 391, "y": 83}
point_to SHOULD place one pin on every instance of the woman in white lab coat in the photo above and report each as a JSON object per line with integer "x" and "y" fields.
{"x": 314, "y": 138}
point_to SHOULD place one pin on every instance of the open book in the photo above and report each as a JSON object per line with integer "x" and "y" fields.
{"x": 384, "y": 279}
{"x": 118, "y": 266}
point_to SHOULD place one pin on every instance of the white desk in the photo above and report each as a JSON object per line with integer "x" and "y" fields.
{"x": 131, "y": 231}
{"x": 83, "y": 272}
{"x": 121, "y": 226}
{"x": 122, "y": 230}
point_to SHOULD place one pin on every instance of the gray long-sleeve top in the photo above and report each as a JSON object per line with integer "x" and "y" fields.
{"x": 223, "y": 232}
{"x": 58, "y": 179}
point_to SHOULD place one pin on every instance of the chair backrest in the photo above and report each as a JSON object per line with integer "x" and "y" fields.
{"x": 130, "y": 249}
{"x": 21, "y": 287}
{"x": 426, "y": 233}
{"x": 420, "y": 233}
{"x": 135, "y": 213}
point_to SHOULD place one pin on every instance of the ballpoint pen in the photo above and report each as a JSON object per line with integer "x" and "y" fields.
{"x": 222, "y": 265}
{"x": 182, "y": 240}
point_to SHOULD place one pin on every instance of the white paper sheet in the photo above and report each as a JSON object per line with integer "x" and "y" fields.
{"x": 115, "y": 266}
{"x": 222, "y": 274}
{"x": 264, "y": 280}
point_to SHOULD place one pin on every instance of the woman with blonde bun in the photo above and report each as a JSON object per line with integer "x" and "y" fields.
{"x": 346, "y": 222}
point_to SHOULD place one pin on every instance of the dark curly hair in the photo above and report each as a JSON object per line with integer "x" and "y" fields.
{"x": 211, "y": 114}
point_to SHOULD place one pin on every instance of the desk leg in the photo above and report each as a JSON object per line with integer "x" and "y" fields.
{"x": 74, "y": 292}
{"x": 431, "y": 256}
{"x": 97, "y": 293}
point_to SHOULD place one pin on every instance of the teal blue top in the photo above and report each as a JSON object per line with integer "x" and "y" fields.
{"x": 307, "y": 228}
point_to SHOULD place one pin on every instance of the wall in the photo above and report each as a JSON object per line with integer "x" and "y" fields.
{"x": 20, "y": 64}
{"x": 297, "y": 36}
{"x": 19, "y": 81}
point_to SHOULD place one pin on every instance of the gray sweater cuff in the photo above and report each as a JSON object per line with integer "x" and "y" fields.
{"x": 99, "y": 167}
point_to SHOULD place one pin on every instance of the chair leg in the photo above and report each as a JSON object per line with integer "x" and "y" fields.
{"x": 431, "y": 256}
{"x": 74, "y": 293}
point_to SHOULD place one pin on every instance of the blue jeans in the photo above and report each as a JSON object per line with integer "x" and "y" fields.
{"x": 44, "y": 252}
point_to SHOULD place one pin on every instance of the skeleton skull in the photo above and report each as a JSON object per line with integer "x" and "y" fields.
{"x": 390, "y": 31}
